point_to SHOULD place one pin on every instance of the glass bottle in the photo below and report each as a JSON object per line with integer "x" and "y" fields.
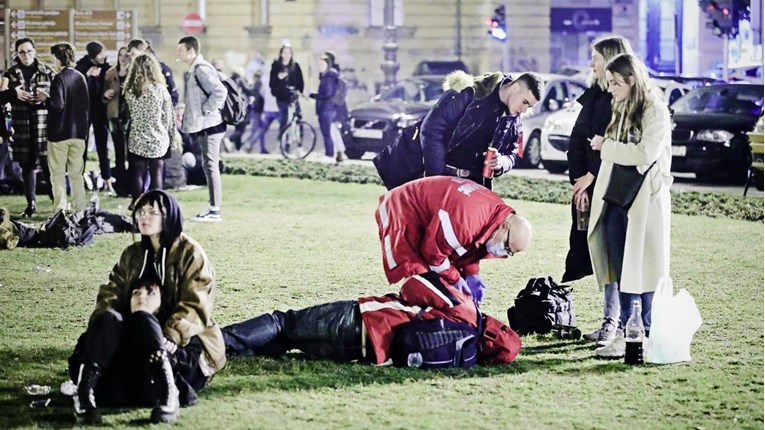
{"x": 634, "y": 334}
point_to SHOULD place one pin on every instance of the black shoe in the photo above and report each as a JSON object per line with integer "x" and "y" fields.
{"x": 29, "y": 211}
{"x": 85, "y": 409}
{"x": 168, "y": 408}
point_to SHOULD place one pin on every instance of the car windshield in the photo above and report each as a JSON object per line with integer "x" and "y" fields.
{"x": 737, "y": 100}
{"x": 413, "y": 91}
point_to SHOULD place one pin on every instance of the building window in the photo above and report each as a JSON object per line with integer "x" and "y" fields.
{"x": 377, "y": 13}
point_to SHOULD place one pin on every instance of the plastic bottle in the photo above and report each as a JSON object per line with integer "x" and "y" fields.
{"x": 94, "y": 201}
{"x": 8, "y": 123}
{"x": 634, "y": 334}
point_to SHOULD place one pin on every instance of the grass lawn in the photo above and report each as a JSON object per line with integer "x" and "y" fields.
{"x": 294, "y": 243}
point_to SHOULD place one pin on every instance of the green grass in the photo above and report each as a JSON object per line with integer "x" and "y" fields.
{"x": 293, "y": 243}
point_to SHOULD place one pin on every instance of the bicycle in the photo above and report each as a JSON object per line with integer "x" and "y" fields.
{"x": 298, "y": 138}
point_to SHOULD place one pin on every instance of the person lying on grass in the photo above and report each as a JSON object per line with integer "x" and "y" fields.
{"x": 364, "y": 329}
{"x": 152, "y": 321}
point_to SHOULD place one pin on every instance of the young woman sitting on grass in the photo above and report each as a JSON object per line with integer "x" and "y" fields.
{"x": 152, "y": 322}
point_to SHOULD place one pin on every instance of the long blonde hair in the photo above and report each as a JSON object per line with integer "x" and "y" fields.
{"x": 143, "y": 71}
{"x": 609, "y": 46}
{"x": 629, "y": 67}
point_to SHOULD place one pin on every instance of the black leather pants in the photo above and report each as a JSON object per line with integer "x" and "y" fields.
{"x": 330, "y": 330}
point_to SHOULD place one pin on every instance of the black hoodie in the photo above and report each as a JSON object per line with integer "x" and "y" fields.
{"x": 95, "y": 88}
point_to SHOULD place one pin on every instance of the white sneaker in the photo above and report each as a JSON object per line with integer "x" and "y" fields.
{"x": 327, "y": 160}
{"x": 208, "y": 216}
{"x": 615, "y": 349}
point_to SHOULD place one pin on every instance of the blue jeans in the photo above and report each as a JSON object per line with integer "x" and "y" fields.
{"x": 325, "y": 124}
{"x": 615, "y": 221}
{"x": 263, "y": 122}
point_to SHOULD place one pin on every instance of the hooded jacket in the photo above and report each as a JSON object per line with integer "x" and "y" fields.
{"x": 188, "y": 289}
{"x": 464, "y": 123}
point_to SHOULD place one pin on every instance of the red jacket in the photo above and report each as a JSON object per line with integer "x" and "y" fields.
{"x": 432, "y": 299}
{"x": 437, "y": 224}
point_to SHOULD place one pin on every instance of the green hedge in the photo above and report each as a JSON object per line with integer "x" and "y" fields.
{"x": 512, "y": 187}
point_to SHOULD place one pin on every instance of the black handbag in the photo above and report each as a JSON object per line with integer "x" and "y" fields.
{"x": 624, "y": 184}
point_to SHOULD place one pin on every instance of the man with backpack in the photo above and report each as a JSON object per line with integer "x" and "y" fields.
{"x": 204, "y": 95}
{"x": 447, "y": 225}
{"x": 372, "y": 329}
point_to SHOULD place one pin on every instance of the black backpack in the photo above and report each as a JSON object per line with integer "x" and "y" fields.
{"x": 62, "y": 230}
{"x": 541, "y": 305}
{"x": 234, "y": 110}
{"x": 436, "y": 344}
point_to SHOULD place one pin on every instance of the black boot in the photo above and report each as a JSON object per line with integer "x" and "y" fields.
{"x": 30, "y": 210}
{"x": 168, "y": 408}
{"x": 85, "y": 409}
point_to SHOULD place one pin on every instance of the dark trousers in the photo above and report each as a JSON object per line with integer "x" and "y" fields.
{"x": 29, "y": 176}
{"x": 121, "y": 345}
{"x": 284, "y": 111}
{"x": 119, "y": 138}
{"x": 101, "y": 136}
{"x": 325, "y": 125}
{"x": 330, "y": 330}
{"x": 615, "y": 220}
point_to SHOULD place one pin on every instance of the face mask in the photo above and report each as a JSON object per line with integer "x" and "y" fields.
{"x": 496, "y": 249}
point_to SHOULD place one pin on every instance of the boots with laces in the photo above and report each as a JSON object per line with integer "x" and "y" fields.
{"x": 168, "y": 408}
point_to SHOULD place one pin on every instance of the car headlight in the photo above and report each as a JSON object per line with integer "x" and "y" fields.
{"x": 404, "y": 120}
{"x": 719, "y": 136}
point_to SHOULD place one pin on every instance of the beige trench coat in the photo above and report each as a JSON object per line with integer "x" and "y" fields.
{"x": 646, "y": 250}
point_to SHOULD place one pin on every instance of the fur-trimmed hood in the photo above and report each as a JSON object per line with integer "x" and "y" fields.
{"x": 482, "y": 85}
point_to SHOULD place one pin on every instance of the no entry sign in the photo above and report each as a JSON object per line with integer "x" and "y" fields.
{"x": 192, "y": 23}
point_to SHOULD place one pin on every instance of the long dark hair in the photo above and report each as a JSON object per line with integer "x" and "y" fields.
{"x": 291, "y": 64}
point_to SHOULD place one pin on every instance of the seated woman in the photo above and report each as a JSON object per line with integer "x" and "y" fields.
{"x": 136, "y": 336}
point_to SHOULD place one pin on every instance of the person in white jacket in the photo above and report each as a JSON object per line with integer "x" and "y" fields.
{"x": 631, "y": 245}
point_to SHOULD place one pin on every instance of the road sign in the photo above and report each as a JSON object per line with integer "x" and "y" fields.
{"x": 113, "y": 28}
{"x": 193, "y": 23}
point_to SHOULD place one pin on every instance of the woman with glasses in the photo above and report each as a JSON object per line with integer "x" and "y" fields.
{"x": 152, "y": 123}
{"x": 29, "y": 143}
{"x": 179, "y": 344}
{"x": 117, "y": 114}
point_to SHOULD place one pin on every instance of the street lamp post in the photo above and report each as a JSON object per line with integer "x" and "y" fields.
{"x": 389, "y": 65}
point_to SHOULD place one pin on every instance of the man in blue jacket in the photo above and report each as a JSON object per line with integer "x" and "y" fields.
{"x": 475, "y": 113}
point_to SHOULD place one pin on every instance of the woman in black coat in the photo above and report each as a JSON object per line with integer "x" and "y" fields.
{"x": 285, "y": 73}
{"x": 583, "y": 166}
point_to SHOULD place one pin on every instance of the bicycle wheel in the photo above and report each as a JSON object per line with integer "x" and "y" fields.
{"x": 297, "y": 140}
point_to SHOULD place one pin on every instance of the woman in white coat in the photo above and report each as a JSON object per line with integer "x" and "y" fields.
{"x": 631, "y": 246}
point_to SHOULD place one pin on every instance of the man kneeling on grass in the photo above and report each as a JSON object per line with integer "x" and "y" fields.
{"x": 364, "y": 329}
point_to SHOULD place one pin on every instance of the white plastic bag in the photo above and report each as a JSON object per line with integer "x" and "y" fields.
{"x": 674, "y": 320}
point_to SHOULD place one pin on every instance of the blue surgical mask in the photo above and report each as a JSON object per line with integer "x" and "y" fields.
{"x": 496, "y": 249}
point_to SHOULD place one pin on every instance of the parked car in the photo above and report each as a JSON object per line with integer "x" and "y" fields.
{"x": 379, "y": 122}
{"x": 557, "y": 128}
{"x": 711, "y": 123}
{"x": 560, "y": 92}
{"x": 554, "y": 138}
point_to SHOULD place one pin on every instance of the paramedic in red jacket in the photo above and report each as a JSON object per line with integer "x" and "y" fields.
{"x": 447, "y": 225}
{"x": 363, "y": 329}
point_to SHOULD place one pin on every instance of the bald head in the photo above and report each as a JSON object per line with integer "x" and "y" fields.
{"x": 520, "y": 232}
